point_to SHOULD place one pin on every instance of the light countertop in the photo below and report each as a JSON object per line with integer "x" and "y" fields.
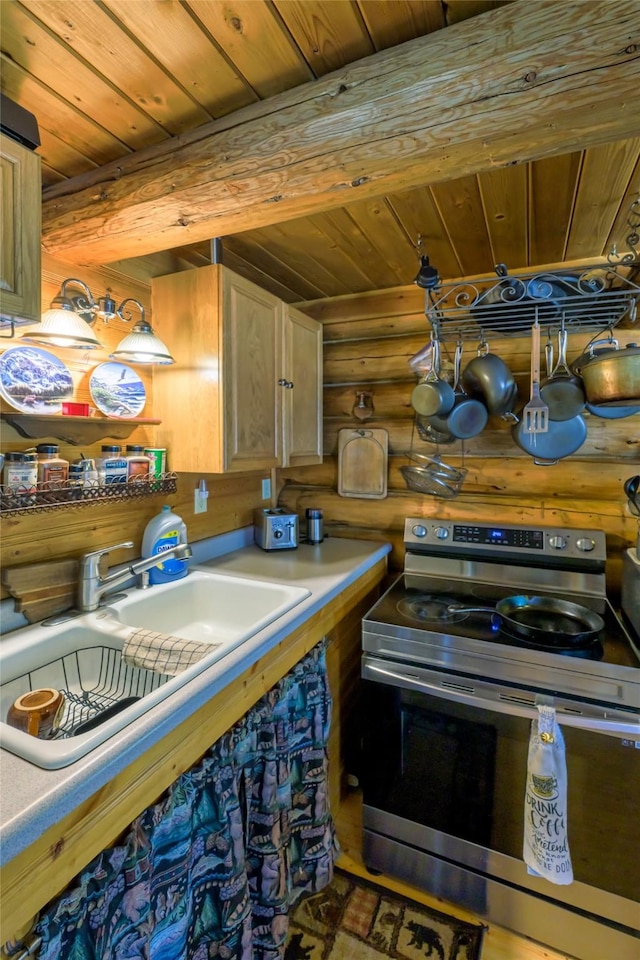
{"x": 33, "y": 800}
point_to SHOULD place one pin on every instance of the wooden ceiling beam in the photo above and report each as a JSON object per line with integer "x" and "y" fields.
{"x": 528, "y": 81}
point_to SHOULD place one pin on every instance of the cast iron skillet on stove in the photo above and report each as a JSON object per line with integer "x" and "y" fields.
{"x": 545, "y": 620}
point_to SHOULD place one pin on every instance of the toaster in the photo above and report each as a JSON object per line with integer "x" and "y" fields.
{"x": 275, "y": 529}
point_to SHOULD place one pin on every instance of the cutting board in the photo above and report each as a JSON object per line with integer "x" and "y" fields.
{"x": 362, "y": 463}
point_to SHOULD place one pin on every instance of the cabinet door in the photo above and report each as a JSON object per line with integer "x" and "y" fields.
{"x": 252, "y": 348}
{"x": 303, "y": 400}
{"x": 20, "y": 192}
{"x": 186, "y": 395}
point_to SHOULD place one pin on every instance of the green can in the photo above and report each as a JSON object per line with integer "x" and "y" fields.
{"x": 158, "y": 458}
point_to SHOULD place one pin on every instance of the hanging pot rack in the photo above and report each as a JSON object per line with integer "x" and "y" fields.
{"x": 595, "y": 298}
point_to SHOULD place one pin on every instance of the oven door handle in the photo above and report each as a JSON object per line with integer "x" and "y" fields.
{"x": 509, "y": 705}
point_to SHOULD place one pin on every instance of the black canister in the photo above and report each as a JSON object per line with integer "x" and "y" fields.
{"x": 314, "y": 525}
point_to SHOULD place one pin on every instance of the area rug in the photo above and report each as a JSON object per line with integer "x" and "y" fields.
{"x": 352, "y": 919}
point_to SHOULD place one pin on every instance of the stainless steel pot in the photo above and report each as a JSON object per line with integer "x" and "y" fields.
{"x": 612, "y": 375}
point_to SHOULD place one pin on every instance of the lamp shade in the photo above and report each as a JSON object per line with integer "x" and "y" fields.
{"x": 63, "y": 328}
{"x": 142, "y": 346}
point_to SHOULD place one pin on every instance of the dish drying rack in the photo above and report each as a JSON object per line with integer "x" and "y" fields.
{"x": 94, "y": 681}
{"x": 594, "y": 299}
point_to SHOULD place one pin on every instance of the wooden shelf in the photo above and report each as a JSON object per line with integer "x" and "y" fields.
{"x": 75, "y": 430}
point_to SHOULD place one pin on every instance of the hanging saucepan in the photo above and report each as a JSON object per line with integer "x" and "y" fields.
{"x": 468, "y": 417}
{"x": 612, "y": 411}
{"x": 611, "y": 375}
{"x": 487, "y": 378}
{"x": 547, "y": 620}
{"x": 562, "y": 438}
{"x": 433, "y": 395}
{"x": 563, "y": 391}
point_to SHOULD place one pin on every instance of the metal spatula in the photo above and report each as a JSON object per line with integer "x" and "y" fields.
{"x": 535, "y": 416}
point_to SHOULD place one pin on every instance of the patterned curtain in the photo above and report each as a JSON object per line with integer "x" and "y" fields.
{"x": 213, "y": 869}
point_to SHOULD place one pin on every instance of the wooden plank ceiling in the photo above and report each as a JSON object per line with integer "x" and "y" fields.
{"x": 107, "y": 79}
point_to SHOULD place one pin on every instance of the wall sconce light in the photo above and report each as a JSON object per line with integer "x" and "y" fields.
{"x": 141, "y": 345}
{"x": 63, "y": 325}
{"x": 67, "y": 324}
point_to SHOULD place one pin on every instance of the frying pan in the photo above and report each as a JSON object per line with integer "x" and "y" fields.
{"x": 562, "y": 391}
{"x": 546, "y": 620}
{"x": 611, "y": 412}
{"x": 562, "y": 438}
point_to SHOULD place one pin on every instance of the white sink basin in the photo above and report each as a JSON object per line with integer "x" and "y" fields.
{"x": 208, "y": 607}
{"x": 82, "y": 657}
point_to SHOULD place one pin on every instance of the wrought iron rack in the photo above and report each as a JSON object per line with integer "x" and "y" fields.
{"x": 594, "y": 299}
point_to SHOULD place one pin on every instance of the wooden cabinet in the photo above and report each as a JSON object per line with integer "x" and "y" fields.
{"x": 303, "y": 401}
{"x": 20, "y": 193}
{"x": 234, "y": 401}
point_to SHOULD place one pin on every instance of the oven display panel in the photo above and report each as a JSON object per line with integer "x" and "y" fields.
{"x": 498, "y": 536}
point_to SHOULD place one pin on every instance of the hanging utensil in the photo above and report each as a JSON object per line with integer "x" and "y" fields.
{"x": 535, "y": 416}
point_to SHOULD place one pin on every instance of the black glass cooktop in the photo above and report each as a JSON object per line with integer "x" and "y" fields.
{"x": 422, "y": 603}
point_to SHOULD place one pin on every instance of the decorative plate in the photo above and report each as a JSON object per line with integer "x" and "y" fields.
{"x": 33, "y": 380}
{"x": 117, "y": 390}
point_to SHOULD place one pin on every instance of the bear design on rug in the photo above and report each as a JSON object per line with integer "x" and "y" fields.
{"x": 422, "y": 936}
{"x": 295, "y": 950}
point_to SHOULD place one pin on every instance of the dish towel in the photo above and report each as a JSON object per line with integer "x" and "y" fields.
{"x": 546, "y": 847}
{"x": 162, "y": 652}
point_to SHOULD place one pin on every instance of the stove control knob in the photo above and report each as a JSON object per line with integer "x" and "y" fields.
{"x": 585, "y": 544}
{"x": 558, "y": 543}
{"x": 418, "y": 530}
{"x": 441, "y": 533}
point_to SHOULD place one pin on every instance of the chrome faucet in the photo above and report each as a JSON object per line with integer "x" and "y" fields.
{"x": 92, "y": 586}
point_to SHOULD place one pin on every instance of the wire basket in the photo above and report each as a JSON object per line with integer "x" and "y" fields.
{"x": 430, "y": 475}
{"x": 95, "y": 681}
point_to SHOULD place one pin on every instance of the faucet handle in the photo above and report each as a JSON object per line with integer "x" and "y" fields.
{"x": 101, "y": 552}
{"x": 90, "y": 561}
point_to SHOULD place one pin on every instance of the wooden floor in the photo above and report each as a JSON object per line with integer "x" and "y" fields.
{"x": 499, "y": 944}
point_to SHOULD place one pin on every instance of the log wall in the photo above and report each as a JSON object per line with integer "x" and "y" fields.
{"x": 369, "y": 339}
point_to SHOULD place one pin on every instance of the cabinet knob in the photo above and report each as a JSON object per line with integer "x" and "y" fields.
{"x": 287, "y": 384}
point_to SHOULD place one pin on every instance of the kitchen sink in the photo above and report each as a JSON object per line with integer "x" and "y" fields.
{"x": 83, "y": 657}
{"x": 208, "y": 607}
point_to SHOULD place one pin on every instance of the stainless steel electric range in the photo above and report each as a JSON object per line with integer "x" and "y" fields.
{"x": 486, "y": 622}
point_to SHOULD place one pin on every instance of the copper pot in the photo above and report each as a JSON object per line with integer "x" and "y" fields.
{"x": 610, "y": 376}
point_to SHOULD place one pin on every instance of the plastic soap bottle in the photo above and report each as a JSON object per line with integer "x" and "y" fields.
{"x": 164, "y": 531}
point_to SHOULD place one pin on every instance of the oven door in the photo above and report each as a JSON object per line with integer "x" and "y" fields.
{"x": 444, "y": 771}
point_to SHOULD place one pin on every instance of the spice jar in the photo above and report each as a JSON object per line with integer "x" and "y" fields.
{"x": 138, "y": 463}
{"x": 20, "y": 476}
{"x": 53, "y": 470}
{"x": 84, "y": 472}
{"x": 112, "y": 465}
